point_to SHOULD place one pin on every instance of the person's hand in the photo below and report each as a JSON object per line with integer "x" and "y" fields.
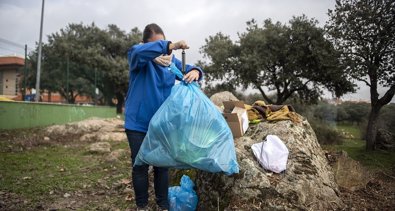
{"x": 164, "y": 60}
{"x": 179, "y": 45}
{"x": 191, "y": 76}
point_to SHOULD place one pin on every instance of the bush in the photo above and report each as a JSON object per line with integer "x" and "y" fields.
{"x": 325, "y": 112}
{"x": 326, "y": 134}
{"x": 357, "y": 112}
{"x": 387, "y": 118}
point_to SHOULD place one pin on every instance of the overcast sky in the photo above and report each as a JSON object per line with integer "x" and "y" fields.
{"x": 188, "y": 20}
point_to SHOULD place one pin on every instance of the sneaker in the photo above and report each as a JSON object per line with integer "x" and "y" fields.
{"x": 142, "y": 208}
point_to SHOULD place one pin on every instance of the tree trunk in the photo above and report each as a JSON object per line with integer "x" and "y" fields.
{"x": 265, "y": 97}
{"x": 121, "y": 100}
{"x": 371, "y": 131}
{"x": 280, "y": 100}
{"x": 71, "y": 97}
{"x": 376, "y": 104}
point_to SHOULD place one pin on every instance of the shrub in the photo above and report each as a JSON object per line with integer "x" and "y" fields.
{"x": 326, "y": 134}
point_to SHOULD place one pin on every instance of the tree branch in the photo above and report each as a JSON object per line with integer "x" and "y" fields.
{"x": 366, "y": 82}
{"x": 387, "y": 96}
{"x": 268, "y": 100}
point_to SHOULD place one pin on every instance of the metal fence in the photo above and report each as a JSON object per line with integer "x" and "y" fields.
{"x": 28, "y": 114}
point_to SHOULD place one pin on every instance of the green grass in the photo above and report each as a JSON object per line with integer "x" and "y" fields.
{"x": 350, "y": 128}
{"x": 46, "y": 173}
{"x": 38, "y": 171}
{"x": 355, "y": 148}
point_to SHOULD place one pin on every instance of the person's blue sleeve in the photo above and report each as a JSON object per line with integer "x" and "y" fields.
{"x": 188, "y": 67}
{"x": 140, "y": 54}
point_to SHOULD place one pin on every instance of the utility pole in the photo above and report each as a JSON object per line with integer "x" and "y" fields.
{"x": 39, "y": 55}
{"x": 67, "y": 79}
{"x": 96, "y": 90}
{"x": 24, "y": 75}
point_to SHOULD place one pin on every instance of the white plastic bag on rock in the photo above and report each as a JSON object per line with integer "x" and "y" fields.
{"x": 272, "y": 154}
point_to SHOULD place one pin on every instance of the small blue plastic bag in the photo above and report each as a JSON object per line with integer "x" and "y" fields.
{"x": 183, "y": 198}
{"x": 188, "y": 131}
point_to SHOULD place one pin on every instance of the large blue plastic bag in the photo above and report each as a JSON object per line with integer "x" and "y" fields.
{"x": 183, "y": 198}
{"x": 188, "y": 131}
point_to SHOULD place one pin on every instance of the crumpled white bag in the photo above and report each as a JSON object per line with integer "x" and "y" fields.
{"x": 272, "y": 154}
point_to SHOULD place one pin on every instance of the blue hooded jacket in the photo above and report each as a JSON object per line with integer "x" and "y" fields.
{"x": 149, "y": 83}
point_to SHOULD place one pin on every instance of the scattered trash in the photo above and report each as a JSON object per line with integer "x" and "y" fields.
{"x": 272, "y": 154}
{"x": 183, "y": 198}
{"x": 187, "y": 132}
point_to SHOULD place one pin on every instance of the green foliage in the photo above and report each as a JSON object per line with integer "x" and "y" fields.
{"x": 356, "y": 112}
{"x": 289, "y": 60}
{"x": 349, "y": 128}
{"x": 325, "y": 112}
{"x": 353, "y": 116}
{"x": 326, "y": 133}
{"x": 387, "y": 118}
{"x": 364, "y": 33}
{"x": 91, "y": 52}
{"x": 355, "y": 148}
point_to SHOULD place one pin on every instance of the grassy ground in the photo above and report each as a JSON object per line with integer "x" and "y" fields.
{"x": 355, "y": 148}
{"x": 55, "y": 175}
{"x": 60, "y": 174}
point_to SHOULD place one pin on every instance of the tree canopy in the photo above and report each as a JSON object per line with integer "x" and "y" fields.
{"x": 88, "y": 51}
{"x": 364, "y": 33}
{"x": 288, "y": 60}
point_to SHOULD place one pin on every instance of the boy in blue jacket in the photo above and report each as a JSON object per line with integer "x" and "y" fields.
{"x": 150, "y": 83}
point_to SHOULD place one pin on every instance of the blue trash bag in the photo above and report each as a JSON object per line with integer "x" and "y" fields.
{"x": 188, "y": 131}
{"x": 183, "y": 198}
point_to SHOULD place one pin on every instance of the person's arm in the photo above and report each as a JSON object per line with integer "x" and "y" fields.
{"x": 188, "y": 68}
{"x": 140, "y": 54}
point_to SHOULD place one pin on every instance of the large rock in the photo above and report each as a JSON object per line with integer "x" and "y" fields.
{"x": 385, "y": 140}
{"x": 112, "y": 136}
{"x": 220, "y": 97}
{"x": 93, "y": 129}
{"x": 100, "y": 147}
{"x": 104, "y": 136}
{"x": 307, "y": 184}
{"x": 87, "y": 126}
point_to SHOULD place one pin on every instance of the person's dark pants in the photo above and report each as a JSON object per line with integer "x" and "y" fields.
{"x": 140, "y": 175}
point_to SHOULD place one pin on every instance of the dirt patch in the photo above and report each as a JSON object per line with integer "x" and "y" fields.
{"x": 379, "y": 194}
{"x": 78, "y": 180}
{"x": 27, "y": 139}
{"x": 12, "y": 201}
